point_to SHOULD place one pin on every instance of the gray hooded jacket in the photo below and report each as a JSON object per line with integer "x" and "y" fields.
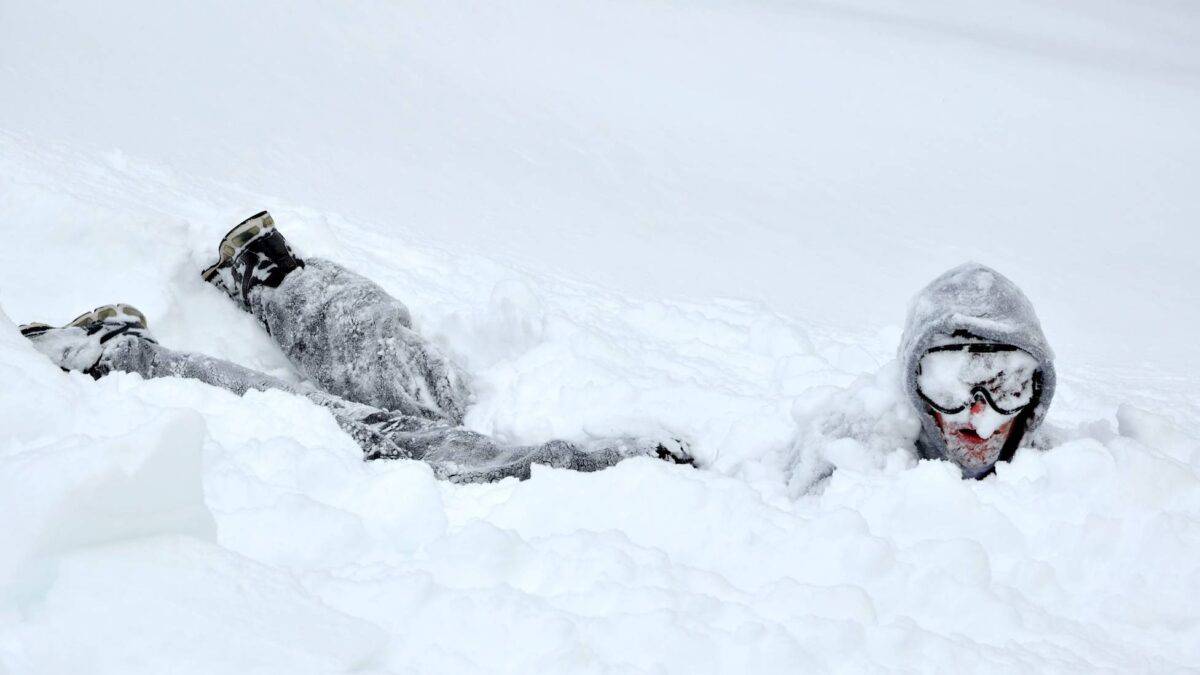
{"x": 986, "y": 304}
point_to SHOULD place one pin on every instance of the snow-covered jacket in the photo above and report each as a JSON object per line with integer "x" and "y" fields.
{"x": 983, "y": 303}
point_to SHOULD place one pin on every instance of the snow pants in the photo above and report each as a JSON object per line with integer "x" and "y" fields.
{"x": 395, "y": 393}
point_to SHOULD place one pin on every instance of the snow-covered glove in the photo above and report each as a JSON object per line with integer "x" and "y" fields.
{"x": 676, "y": 451}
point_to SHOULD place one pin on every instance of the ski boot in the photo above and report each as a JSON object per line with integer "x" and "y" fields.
{"x": 252, "y": 254}
{"x": 79, "y": 345}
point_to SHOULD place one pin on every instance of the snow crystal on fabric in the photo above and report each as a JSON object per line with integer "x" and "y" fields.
{"x": 349, "y": 336}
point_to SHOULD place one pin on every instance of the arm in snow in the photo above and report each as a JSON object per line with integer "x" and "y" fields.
{"x": 463, "y": 456}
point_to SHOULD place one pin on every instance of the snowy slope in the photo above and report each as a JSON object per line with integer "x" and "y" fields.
{"x": 701, "y": 218}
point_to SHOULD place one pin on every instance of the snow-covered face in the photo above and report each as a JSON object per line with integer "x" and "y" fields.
{"x": 967, "y": 445}
{"x": 975, "y": 393}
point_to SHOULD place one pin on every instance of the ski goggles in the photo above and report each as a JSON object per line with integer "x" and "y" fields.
{"x": 952, "y": 378}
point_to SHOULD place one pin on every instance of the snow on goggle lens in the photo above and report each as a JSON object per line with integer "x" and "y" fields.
{"x": 953, "y": 377}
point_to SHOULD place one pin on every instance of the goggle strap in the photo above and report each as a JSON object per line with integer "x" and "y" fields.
{"x": 975, "y": 347}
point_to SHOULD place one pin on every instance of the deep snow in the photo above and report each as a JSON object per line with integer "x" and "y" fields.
{"x": 696, "y": 218}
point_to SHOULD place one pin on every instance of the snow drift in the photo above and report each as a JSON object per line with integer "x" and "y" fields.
{"x": 625, "y": 218}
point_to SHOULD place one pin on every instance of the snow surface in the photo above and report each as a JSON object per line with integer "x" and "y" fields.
{"x": 627, "y": 217}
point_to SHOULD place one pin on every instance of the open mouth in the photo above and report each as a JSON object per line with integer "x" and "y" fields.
{"x": 970, "y": 436}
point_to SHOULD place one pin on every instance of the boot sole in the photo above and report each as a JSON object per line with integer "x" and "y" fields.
{"x": 240, "y": 235}
{"x": 100, "y": 314}
{"x": 105, "y": 312}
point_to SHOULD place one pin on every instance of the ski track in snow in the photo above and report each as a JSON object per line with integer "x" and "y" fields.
{"x": 167, "y": 526}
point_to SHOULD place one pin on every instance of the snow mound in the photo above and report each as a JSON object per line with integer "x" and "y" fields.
{"x": 245, "y": 533}
{"x": 701, "y": 219}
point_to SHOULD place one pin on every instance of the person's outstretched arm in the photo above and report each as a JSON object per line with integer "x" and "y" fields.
{"x": 463, "y": 456}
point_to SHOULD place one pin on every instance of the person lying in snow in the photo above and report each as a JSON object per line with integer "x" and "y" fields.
{"x": 395, "y": 393}
{"x": 977, "y": 368}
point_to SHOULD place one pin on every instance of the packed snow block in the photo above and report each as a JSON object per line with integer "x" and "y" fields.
{"x": 149, "y": 484}
{"x": 8, "y": 330}
{"x": 173, "y": 604}
{"x": 21, "y": 366}
{"x": 97, "y": 490}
